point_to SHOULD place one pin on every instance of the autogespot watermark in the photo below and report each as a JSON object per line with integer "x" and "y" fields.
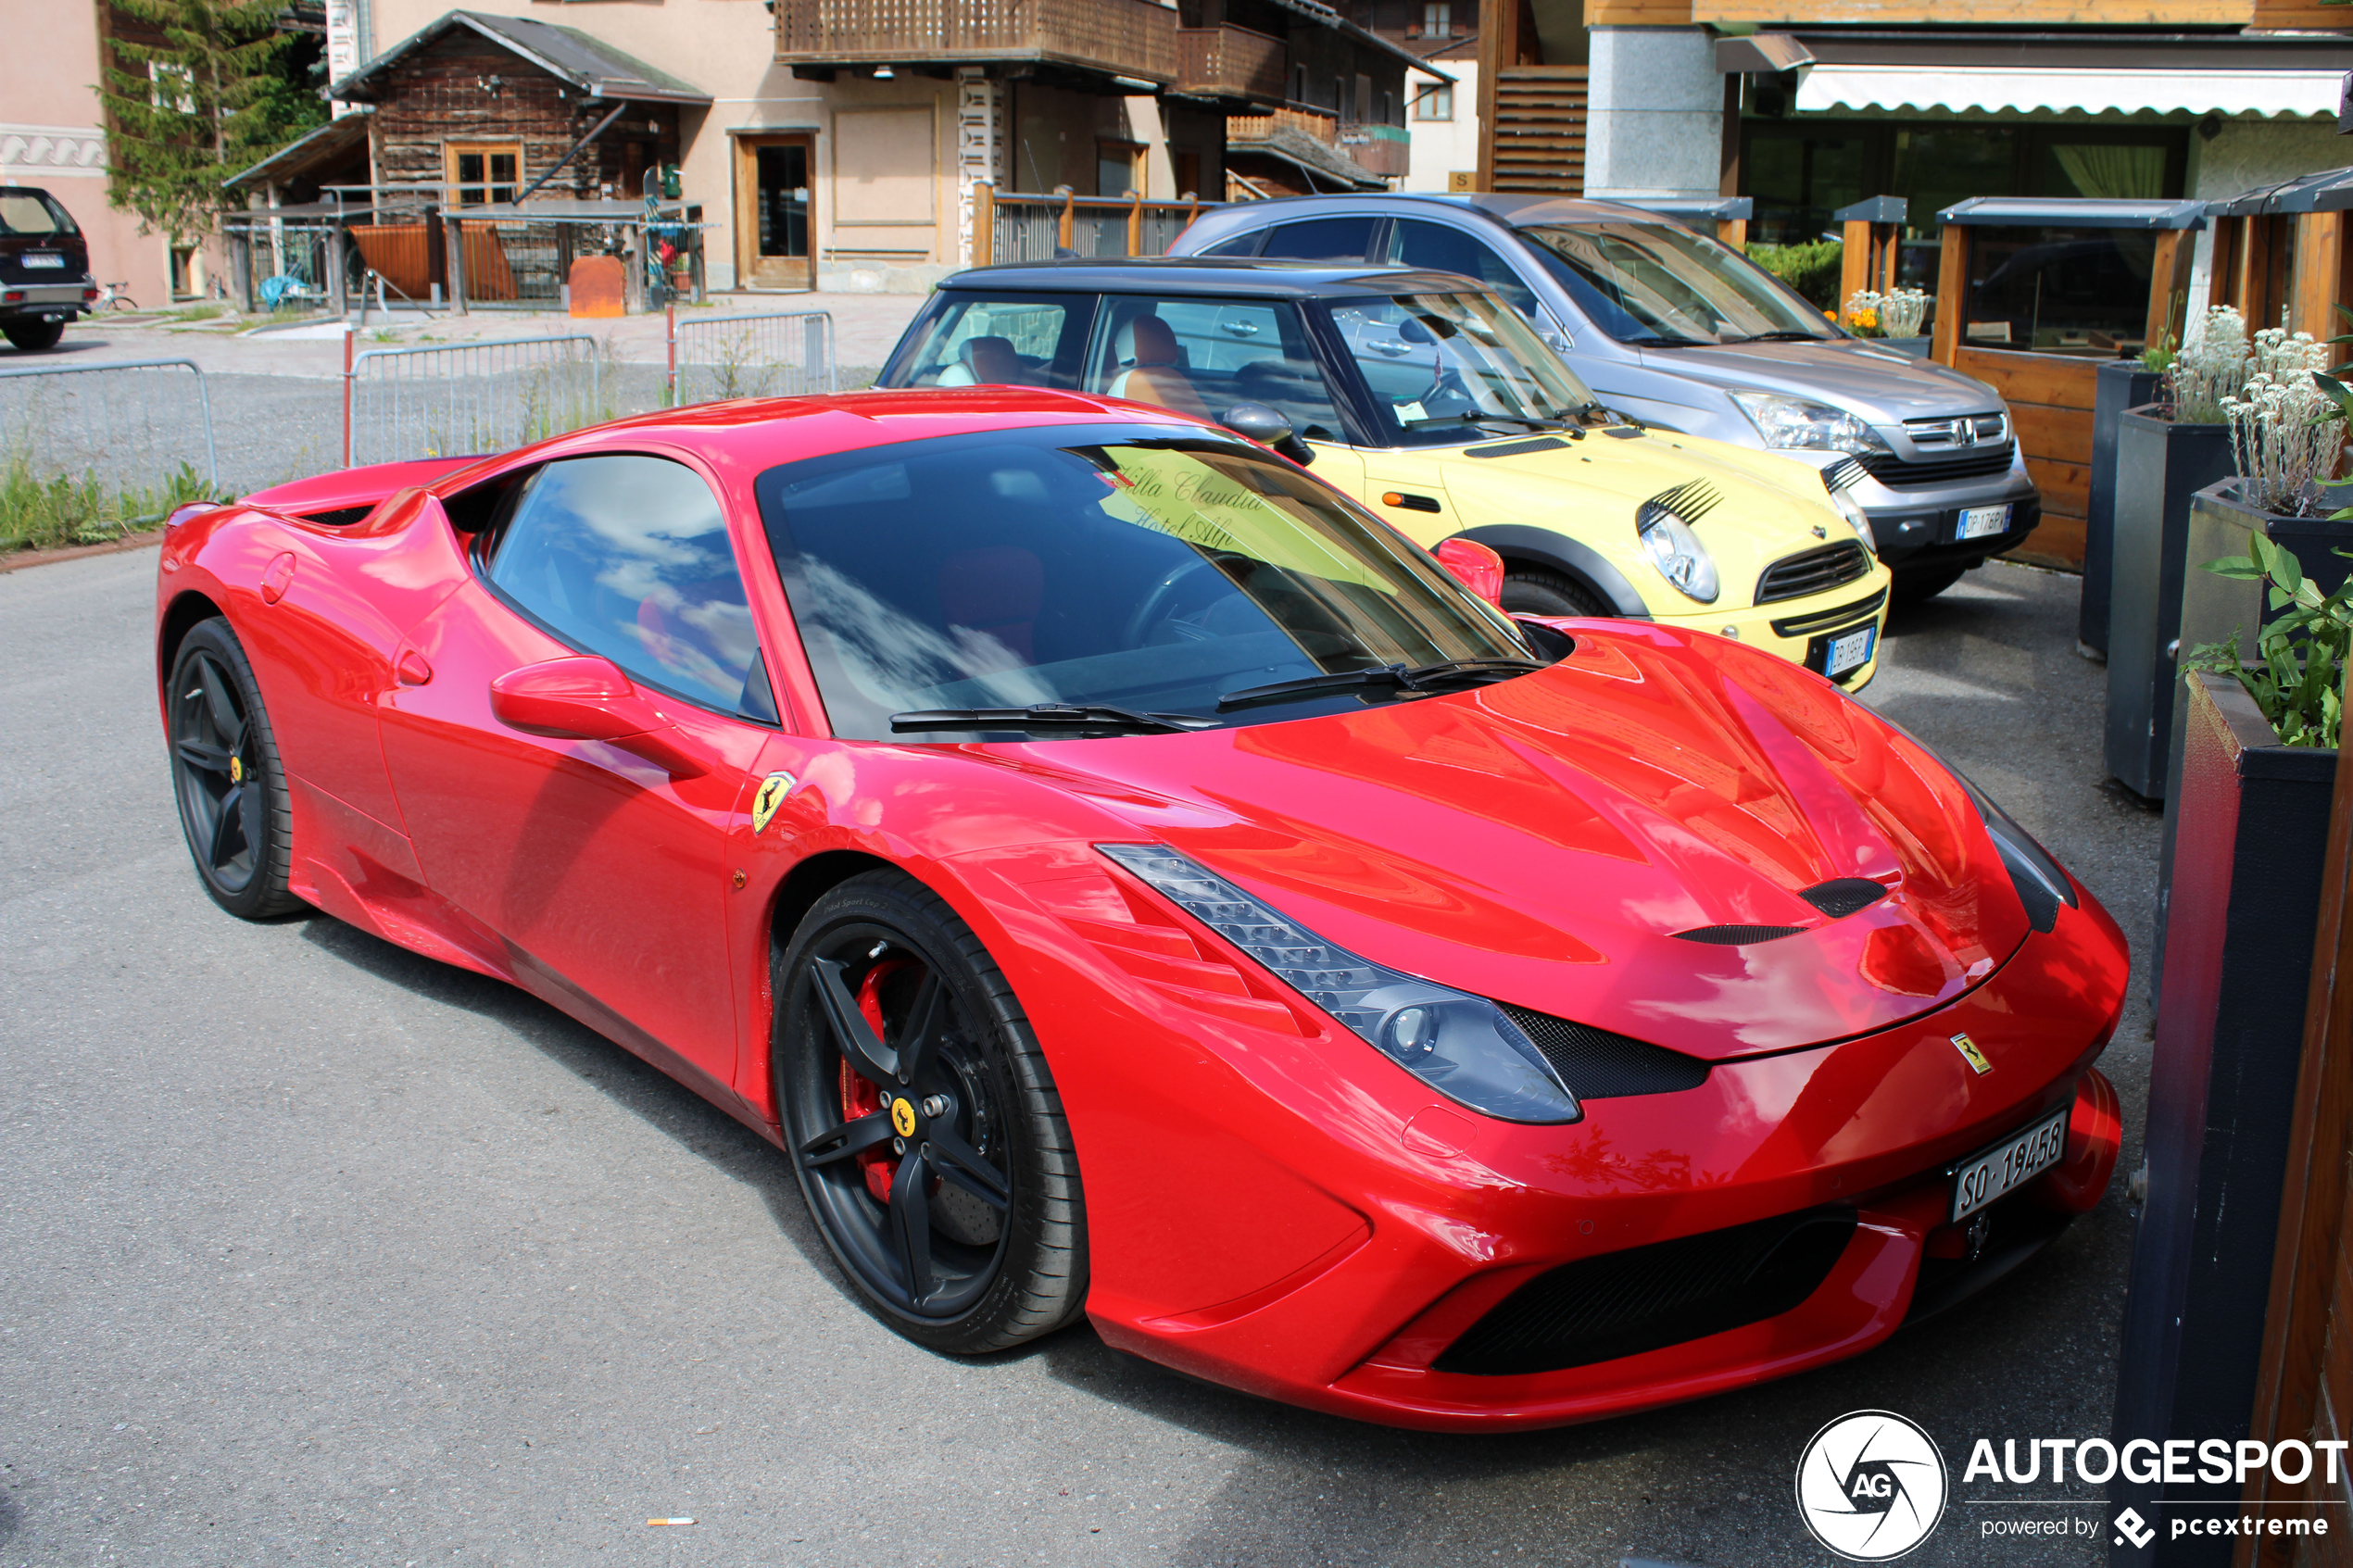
{"x": 1872, "y": 1485}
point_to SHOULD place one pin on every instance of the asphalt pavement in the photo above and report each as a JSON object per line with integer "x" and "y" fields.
{"x": 312, "y": 1251}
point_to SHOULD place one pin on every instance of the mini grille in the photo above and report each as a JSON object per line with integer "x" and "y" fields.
{"x": 1843, "y": 897}
{"x": 1897, "y": 474}
{"x": 1796, "y": 577}
{"x": 1597, "y": 1064}
{"x": 1647, "y": 1298}
{"x": 1823, "y": 620}
{"x": 1738, "y": 935}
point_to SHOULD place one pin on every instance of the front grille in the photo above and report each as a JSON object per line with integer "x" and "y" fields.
{"x": 1737, "y": 935}
{"x": 1823, "y": 620}
{"x": 1798, "y": 577}
{"x": 1597, "y": 1064}
{"x": 1897, "y": 474}
{"x": 1648, "y": 1298}
{"x": 1844, "y": 895}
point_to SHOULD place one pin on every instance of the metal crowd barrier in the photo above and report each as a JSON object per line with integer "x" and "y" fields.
{"x": 782, "y": 353}
{"x": 127, "y": 420}
{"x": 405, "y": 403}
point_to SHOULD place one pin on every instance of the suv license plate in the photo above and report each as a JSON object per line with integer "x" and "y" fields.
{"x": 1851, "y": 651}
{"x": 56, "y": 261}
{"x": 1995, "y": 1173}
{"x": 1983, "y": 523}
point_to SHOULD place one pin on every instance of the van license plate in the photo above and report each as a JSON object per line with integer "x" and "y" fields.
{"x": 1983, "y": 523}
{"x": 56, "y": 261}
{"x": 1995, "y": 1173}
{"x": 1850, "y": 652}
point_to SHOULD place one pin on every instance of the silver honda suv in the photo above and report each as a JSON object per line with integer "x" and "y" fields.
{"x": 1679, "y": 332}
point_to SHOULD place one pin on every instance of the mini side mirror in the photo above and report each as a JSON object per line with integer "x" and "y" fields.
{"x": 1268, "y": 427}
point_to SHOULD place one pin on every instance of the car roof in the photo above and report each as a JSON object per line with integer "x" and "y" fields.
{"x": 1520, "y": 211}
{"x": 1207, "y": 274}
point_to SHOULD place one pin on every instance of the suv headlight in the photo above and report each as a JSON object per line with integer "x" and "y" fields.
{"x": 1460, "y": 1045}
{"x": 1801, "y": 425}
{"x": 1674, "y": 549}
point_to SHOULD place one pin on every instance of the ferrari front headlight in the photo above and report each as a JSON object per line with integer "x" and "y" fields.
{"x": 1462, "y": 1046}
{"x": 1802, "y": 425}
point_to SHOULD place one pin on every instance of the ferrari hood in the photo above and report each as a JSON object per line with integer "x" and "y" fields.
{"x": 1626, "y": 839}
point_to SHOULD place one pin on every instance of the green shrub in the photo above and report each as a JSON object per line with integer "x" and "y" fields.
{"x": 1811, "y": 270}
{"x": 39, "y": 512}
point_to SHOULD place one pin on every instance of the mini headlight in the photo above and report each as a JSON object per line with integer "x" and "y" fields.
{"x": 1853, "y": 513}
{"x": 1801, "y": 425}
{"x": 1460, "y": 1045}
{"x": 1674, "y": 549}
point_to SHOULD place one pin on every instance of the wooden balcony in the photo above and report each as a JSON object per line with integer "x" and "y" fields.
{"x": 1379, "y": 149}
{"x": 1231, "y": 62}
{"x": 1258, "y": 127}
{"x": 1131, "y": 38}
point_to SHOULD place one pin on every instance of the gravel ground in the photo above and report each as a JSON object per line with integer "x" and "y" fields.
{"x": 315, "y": 1252}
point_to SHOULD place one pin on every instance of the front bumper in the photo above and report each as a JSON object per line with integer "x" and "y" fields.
{"x": 1918, "y": 527}
{"x": 1804, "y": 631}
{"x": 1408, "y": 1227}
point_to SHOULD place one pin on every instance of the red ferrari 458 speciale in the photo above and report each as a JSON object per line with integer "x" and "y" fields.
{"x": 1126, "y": 877}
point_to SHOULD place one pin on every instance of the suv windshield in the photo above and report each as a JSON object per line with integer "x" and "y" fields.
{"x": 1437, "y": 363}
{"x": 1661, "y": 286}
{"x": 1110, "y": 567}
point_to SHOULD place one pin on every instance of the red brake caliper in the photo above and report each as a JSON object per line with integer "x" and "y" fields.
{"x": 858, "y": 1097}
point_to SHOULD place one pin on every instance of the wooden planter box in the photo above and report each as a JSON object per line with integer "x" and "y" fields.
{"x": 2253, "y": 819}
{"x": 2160, "y": 465}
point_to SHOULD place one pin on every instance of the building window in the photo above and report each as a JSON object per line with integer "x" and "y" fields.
{"x": 1435, "y": 102}
{"x": 1437, "y": 19}
{"x": 1119, "y": 167}
{"x": 482, "y": 172}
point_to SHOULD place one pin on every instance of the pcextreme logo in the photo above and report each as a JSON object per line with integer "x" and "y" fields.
{"x": 1871, "y": 1485}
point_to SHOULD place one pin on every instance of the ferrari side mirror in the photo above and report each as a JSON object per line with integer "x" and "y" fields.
{"x": 589, "y": 698}
{"x": 1475, "y": 567}
{"x": 1268, "y": 427}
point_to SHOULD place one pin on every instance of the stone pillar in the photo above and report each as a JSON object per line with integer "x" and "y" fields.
{"x": 1654, "y": 113}
{"x": 980, "y": 112}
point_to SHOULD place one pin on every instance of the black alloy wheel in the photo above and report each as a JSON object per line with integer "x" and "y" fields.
{"x": 923, "y": 1123}
{"x": 225, "y": 774}
{"x": 1528, "y": 590}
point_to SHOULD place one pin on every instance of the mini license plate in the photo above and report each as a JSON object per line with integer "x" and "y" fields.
{"x": 56, "y": 261}
{"x": 1849, "y": 652}
{"x": 1994, "y": 1172}
{"x": 1983, "y": 523}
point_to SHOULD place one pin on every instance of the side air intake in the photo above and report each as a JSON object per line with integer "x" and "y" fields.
{"x": 1597, "y": 1064}
{"x": 1738, "y": 935}
{"x": 1843, "y": 897}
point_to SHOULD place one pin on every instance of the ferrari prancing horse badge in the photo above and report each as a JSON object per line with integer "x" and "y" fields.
{"x": 772, "y": 790}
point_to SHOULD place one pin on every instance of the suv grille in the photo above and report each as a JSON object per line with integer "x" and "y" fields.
{"x": 1894, "y": 473}
{"x": 1647, "y": 1298}
{"x": 1597, "y": 1064}
{"x": 1797, "y": 577}
{"x": 1980, "y": 428}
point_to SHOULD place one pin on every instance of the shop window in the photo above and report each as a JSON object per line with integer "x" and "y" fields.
{"x": 2060, "y": 291}
{"x": 483, "y": 172}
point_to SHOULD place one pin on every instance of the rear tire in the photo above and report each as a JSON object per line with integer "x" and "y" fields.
{"x": 32, "y": 337}
{"x": 225, "y": 774}
{"x": 1532, "y": 591}
{"x": 1911, "y": 587}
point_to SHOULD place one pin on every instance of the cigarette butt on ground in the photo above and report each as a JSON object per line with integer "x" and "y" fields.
{"x": 669, "y": 1521}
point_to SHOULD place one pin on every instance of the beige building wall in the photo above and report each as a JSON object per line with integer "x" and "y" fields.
{"x": 52, "y": 135}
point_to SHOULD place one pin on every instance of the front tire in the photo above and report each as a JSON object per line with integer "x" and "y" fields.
{"x": 33, "y": 337}
{"x": 226, "y": 776}
{"x": 923, "y": 1122}
{"x": 1528, "y": 590}
{"x": 1913, "y": 587}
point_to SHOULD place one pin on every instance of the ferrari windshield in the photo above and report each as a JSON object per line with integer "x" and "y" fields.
{"x": 1143, "y": 579}
{"x": 1438, "y": 363}
{"x": 1661, "y": 286}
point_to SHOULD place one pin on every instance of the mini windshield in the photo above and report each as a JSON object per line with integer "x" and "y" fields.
{"x": 1102, "y": 566}
{"x": 1661, "y": 286}
{"x": 1440, "y": 365}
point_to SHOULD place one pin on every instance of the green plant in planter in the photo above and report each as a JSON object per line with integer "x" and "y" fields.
{"x": 2296, "y": 677}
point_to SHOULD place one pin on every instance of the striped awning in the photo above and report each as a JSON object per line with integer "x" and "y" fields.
{"x": 2302, "y": 93}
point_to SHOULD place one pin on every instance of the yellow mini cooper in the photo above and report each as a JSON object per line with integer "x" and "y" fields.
{"x": 1427, "y": 398}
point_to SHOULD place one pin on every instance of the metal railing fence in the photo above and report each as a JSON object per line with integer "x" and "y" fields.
{"x": 778, "y": 354}
{"x": 406, "y": 402}
{"x": 130, "y": 423}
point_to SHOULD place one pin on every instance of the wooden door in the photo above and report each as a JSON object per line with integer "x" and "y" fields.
{"x": 773, "y": 216}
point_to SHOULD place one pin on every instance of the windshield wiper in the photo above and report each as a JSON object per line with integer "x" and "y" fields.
{"x": 1780, "y": 337}
{"x": 1655, "y": 341}
{"x": 1397, "y": 677}
{"x": 1047, "y": 717}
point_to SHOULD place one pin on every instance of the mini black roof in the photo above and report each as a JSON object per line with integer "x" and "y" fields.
{"x": 1207, "y": 274}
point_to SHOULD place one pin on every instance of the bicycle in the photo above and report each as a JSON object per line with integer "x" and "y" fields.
{"x": 112, "y": 297}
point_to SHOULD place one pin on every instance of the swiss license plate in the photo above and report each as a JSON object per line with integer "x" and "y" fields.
{"x": 1851, "y": 651}
{"x": 1983, "y": 523}
{"x": 56, "y": 261}
{"x": 1995, "y": 1173}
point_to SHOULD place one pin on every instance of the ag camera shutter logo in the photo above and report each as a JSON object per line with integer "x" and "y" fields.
{"x": 1871, "y": 1485}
